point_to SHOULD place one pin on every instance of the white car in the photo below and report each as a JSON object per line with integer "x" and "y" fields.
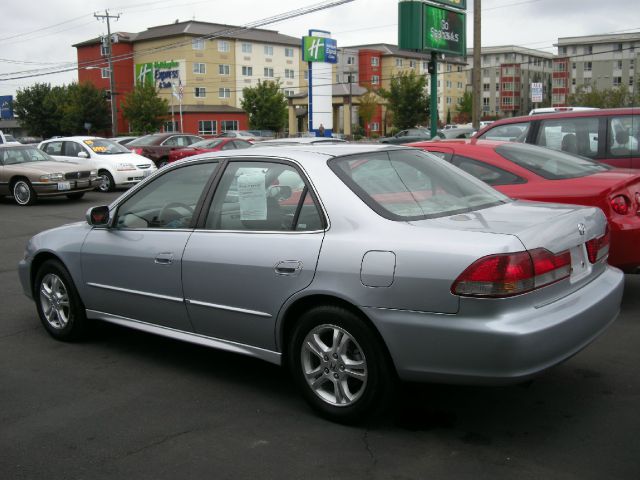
{"x": 116, "y": 165}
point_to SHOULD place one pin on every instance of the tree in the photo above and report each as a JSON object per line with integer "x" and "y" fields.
{"x": 144, "y": 109}
{"x": 607, "y": 98}
{"x": 448, "y": 116}
{"x": 82, "y": 104}
{"x": 407, "y": 100}
{"x": 465, "y": 105}
{"x": 367, "y": 107}
{"x": 36, "y": 110}
{"x": 266, "y": 106}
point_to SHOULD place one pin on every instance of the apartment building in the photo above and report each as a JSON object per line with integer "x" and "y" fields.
{"x": 373, "y": 66}
{"x": 595, "y": 61}
{"x": 207, "y": 64}
{"x": 507, "y": 74}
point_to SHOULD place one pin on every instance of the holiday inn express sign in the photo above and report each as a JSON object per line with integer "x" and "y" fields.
{"x": 319, "y": 49}
{"x": 162, "y": 74}
{"x": 426, "y": 27}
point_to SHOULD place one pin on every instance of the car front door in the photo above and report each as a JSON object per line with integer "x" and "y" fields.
{"x": 133, "y": 268}
{"x": 258, "y": 245}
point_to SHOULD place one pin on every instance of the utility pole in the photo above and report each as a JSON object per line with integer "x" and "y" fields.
{"x": 477, "y": 74}
{"x": 112, "y": 83}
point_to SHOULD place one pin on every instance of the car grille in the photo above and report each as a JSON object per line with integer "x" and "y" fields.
{"x": 76, "y": 175}
{"x": 143, "y": 167}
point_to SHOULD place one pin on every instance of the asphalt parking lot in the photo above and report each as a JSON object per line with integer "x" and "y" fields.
{"x": 124, "y": 404}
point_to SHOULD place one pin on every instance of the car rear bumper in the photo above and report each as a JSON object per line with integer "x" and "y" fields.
{"x": 505, "y": 348}
{"x": 624, "y": 251}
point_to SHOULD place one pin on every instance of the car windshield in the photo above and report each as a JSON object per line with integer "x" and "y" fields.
{"x": 206, "y": 143}
{"x": 15, "y": 155}
{"x": 153, "y": 139}
{"x": 548, "y": 163}
{"x": 102, "y": 146}
{"x": 412, "y": 185}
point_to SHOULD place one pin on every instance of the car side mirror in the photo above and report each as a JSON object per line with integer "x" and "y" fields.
{"x": 98, "y": 216}
{"x": 83, "y": 155}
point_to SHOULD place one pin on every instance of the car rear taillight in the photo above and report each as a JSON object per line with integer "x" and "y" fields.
{"x": 620, "y": 204}
{"x": 598, "y": 248}
{"x": 509, "y": 274}
{"x": 137, "y": 150}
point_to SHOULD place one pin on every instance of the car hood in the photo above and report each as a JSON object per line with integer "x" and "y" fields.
{"x": 548, "y": 225}
{"x": 49, "y": 167}
{"x": 126, "y": 157}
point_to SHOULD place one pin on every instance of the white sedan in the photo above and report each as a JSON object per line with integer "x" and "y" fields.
{"x": 116, "y": 165}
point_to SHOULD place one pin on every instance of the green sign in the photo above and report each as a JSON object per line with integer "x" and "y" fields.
{"x": 319, "y": 49}
{"x": 444, "y": 30}
{"x": 462, "y": 4}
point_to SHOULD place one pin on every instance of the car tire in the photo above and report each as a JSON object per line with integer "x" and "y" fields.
{"x": 23, "y": 192}
{"x": 340, "y": 364}
{"x": 59, "y": 306}
{"x": 107, "y": 183}
{"x": 75, "y": 196}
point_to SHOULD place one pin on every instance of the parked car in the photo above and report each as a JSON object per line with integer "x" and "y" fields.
{"x": 407, "y": 136}
{"x": 27, "y": 173}
{"x": 609, "y": 135}
{"x": 157, "y": 146}
{"x": 204, "y": 146}
{"x": 350, "y": 264}
{"x": 124, "y": 140}
{"x": 534, "y": 173}
{"x": 8, "y": 139}
{"x": 261, "y": 135}
{"x": 116, "y": 165}
{"x": 242, "y": 134}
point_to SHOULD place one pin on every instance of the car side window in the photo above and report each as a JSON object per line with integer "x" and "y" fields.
{"x": 229, "y": 146}
{"x": 169, "y": 201}
{"x": 512, "y": 132}
{"x": 240, "y": 144}
{"x": 71, "y": 149}
{"x": 624, "y": 135}
{"x": 572, "y": 135}
{"x": 263, "y": 196}
{"x": 171, "y": 142}
{"x": 487, "y": 173}
{"x": 53, "y": 148}
{"x": 192, "y": 140}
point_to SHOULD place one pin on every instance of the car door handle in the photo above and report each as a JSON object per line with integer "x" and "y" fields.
{"x": 164, "y": 258}
{"x": 288, "y": 267}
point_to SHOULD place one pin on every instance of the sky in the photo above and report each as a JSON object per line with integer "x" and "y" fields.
{"x": 35, "y": 36}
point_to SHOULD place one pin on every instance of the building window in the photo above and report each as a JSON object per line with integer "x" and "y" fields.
{"x": 573, "y": 81}
{"x": 223, "y": 46}
{"x": 224, "y": 92}
{"x": 200, "y": 68}
{"x": 425, "y": 65}
{"x": 631, "y": 81}
{"x": 247, "y": 48}
{"x": 306, "y": 74}
{"x": 268, "y": 50}
{"x": 374, "y": 126}
{"x": 619, "y": 47}
{"x": 199, "y": 92}
{"x": 459, "y": 84}
{"x": 449, "y": 67}
{"x": 288, "y": 52}
{"x": 398, "y": 62}
{"x": 229, "y": 125}
{"x": 412, "y": 64}
{"x": 104, "y": 50}
{"x": 485, "y": 102}
{"x": 288, "y": 73}
{"x": 448, "y": 100}
{"x": 224, "y": 69}
{"x": 631, "y": 64}
{"x": 289, "y": 93}
{"x": 351, "y": 60}
{"x": 170, "y": 127}
{"x": 573, "y": 65}
{"x": 485, "y": 87}
{"x": 448, "y": 83}
{"x": 375, "y": 79}
{"x": 588, "y": 49}
{"x": 375, "y": 61}
{"x": 247, "y": 71}
{"x": 104, "y": 72}
{"x": 268, "y": 72}
{"x": 562, "y": 50}
{"x": 497, "y": 86}
{"x": 617, "y": 81}
{"x": 587, "y": 66}
{"x": 207, "y": 127}
{"x": 506, "y": 101}
{"x": 197, "y": 43}
{"x": 618, "y": 65}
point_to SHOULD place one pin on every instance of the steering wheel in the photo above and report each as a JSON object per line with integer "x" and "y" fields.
{"x": 170, "y": 206}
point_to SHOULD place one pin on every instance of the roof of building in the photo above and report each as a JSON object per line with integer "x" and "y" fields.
{"x": 512, "y": 49}
{"x": 590, "y": 39}
{"x": 204, "y": 29}
{"x": 124, "y": 37}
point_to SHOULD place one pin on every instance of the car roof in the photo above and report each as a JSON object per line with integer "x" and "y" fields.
{"x": 463, "y": 142}
{"x": 76, "y": 137}
{"x": 302, "y": 141}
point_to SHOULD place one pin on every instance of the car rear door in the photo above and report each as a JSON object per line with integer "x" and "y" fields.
{"x": 258, "y": 244}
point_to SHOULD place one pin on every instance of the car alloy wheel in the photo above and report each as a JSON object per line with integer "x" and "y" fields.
{"x": 106, "y": 182}
{"x": 334, "y": 365}
{"x": 54, "y": 301}
{"x": 23, "y": 193}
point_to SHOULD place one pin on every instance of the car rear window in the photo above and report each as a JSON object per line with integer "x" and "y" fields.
{"x": 548, "y": 163}
{"x": 412, "y": 185}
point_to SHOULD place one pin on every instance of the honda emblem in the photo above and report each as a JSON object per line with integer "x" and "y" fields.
{"x": 582, "y": 229}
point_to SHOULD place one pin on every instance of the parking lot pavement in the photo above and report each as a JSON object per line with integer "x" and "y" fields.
{"x": 124, "y": 404}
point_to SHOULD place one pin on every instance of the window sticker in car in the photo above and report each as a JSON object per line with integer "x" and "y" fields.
{"x": 89, "y": 142}
{"x": 252, "y": 196}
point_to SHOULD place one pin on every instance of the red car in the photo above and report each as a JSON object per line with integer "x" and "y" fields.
{"x": 529, "y": 172}
{"x": 211, "y": 145}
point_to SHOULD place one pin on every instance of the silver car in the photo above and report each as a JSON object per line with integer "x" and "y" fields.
{"x": 353, "y": 265}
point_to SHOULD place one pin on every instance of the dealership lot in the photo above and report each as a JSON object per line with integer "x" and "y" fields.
{"x": 129, "y": 404}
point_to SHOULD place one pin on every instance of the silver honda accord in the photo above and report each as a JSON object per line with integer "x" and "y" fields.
{"x": 353, "y": 265}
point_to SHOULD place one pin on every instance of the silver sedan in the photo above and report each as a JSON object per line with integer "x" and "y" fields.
{"x": 353, "y": 265}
